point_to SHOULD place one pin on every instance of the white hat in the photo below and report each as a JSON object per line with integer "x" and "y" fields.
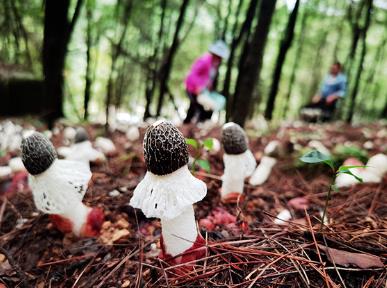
{"x": 220, "y": 49}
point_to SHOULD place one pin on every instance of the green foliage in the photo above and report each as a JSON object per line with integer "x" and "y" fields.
{"x": 200, "y": 146}
{"x": 343, "y": 152}
{"x": 192, "y": 142}
{"x": 21, "y": 40}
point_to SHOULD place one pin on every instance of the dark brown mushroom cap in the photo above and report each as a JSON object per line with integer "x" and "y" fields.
{"x": 165, "y": 149}
{"x": 81, "y": 135}
{"x": 234, "y": 138}
{"x": 38, "y": 153}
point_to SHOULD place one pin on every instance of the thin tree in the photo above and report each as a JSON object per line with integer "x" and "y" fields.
{"x": 298, "y": 54}
{"x": 251, "y": 63}
{"x": 116, "y": 52}
{"x": 153, "y": 65}
{"x": 57, "y": 33}
{"x": 285, "y": 45}
{"x": 363, "y": 52}
{"x": 166, "y": 65}
{"x": 246, "y": 26}
{"x": 88, "y": 76}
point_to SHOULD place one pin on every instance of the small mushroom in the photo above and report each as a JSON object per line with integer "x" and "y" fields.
{"x": 168, "y": 191}
{"x": 263, "y": 171}
{"x": 133, "y": 134}
{"x": 105, "y": 145}
{"x": 239, "y": 162}
{"x": 82, "y": 149}
{"x": 58, "y": 187}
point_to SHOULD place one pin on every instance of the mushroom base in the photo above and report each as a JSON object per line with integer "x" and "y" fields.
{"x": 88, "y": 225}
{"x": 197, "y": 251}
{"x": 233, "y": 198}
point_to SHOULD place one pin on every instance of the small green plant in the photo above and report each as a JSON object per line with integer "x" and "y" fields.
{"x": 314, "y": 157}
{"x": 199, "y": 147}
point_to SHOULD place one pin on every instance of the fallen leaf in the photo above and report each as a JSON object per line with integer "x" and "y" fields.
{"x": 125, "y": 284}
{"x": 346, "y": 258}
{"x": 299, "y": 203}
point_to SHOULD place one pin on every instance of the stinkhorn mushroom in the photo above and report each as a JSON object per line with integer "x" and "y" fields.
{"x": 82, "y": 149}
{"x": 58, "y": 187}
{"x": 168, "y": 191}
{"x": 239, "y": 162}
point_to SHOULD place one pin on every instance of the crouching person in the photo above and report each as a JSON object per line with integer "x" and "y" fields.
{"x": 324, "y": 103}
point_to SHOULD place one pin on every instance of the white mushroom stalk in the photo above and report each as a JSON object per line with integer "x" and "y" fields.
{"x": 168, "y": 190}
{"x": 58, "y": 186}
{"x": 263, "y": 171}
{"x": 239, "y": 162}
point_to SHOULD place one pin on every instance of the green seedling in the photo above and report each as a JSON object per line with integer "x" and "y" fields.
{"x": 315, "y": 157}
{"x": 199, "y": 147}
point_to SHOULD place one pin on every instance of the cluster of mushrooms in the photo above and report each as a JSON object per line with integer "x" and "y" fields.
{"x": 168, "y": 190}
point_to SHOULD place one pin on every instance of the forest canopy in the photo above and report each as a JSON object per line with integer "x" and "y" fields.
{"x": 135, "y": 55}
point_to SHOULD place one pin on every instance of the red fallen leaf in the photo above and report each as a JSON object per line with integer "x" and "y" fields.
{"x": 299, "y": 203}
{"x": 218, "y": 217}
{"x": 345, "y": 258}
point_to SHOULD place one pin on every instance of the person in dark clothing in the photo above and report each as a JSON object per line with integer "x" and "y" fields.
{"x": 333, "y": 88}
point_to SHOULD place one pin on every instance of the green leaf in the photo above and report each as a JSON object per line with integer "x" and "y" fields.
{"x": 345, "y": 168}
{"x": 335, "y": 188}
{"x": 208, "y": 143}
{"x": 192, "y": 142}
{"x": 316, "y": 156}
{"x": 204, "y": 164}
{"x": 350, "y": 173}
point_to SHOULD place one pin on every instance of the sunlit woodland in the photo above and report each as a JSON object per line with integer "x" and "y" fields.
{"x": 193, "y": 143}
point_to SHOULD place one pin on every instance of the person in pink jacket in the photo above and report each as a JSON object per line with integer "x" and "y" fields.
{"x": 201, "y": 77}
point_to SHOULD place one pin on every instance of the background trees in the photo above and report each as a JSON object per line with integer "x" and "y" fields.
{"x": 132, "y": 54}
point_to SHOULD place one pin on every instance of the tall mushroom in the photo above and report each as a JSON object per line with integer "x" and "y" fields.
{"x": 168, "y": 191}
{"x": 239, "y": 162}
{"x": 58, "y": 187}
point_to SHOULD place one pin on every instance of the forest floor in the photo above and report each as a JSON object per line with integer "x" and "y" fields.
{"x": 296, "y": 254}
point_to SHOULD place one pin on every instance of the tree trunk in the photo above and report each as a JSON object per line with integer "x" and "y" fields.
{"x": 234, "y": 45}
{"x": 251, "y": 63}
{"x": 223, "y": 37}
{"x": 116, "y": 52}
{"x": 297, "y": 60}
{"x": 384, "y": 112}
{"x": 361, "y": 61}
{"x": 374, "y": 70}
{"x": 57, "y": 33}
{"x": 166, "y": 66}
{"x": 154, "y": 60}
{"x": 286, "y": 43}
{"x": 356, "y": 34}
{"x": 88, "y": 80}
